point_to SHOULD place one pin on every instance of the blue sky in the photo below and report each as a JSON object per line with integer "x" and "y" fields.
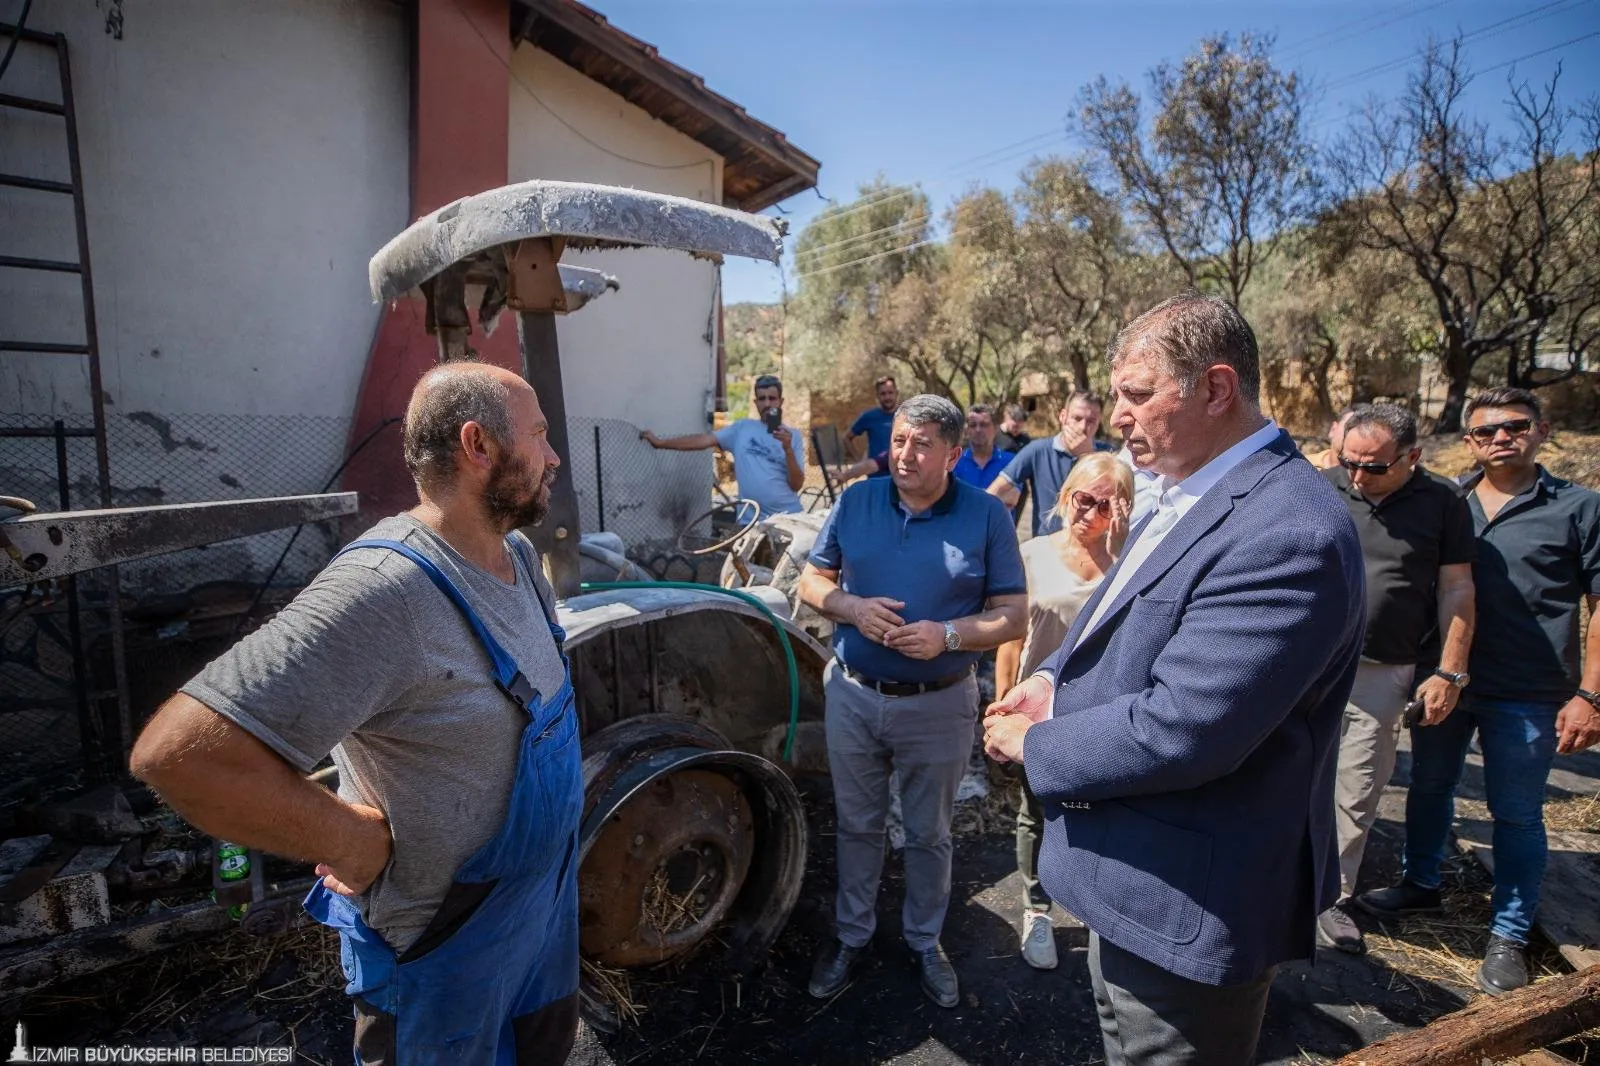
{"x": 951, "y": 94}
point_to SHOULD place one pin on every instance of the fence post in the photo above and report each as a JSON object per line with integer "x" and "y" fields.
{"x": 599, "y": 482}
{"x": 87, "y": 733}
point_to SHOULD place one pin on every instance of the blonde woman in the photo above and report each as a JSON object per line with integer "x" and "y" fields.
{"x": 1063, "y": 570}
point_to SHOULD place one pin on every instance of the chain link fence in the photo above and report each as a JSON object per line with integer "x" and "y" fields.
{"x": 57, "y": 707}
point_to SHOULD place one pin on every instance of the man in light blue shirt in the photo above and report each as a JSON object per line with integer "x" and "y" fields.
{"x": 980, "y": 462}
{"x": 768, "y": 457}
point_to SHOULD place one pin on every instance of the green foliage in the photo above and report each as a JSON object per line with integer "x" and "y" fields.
{"x": 1434, "y": 247}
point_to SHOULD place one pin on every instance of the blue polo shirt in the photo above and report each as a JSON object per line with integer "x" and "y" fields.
{"x": 877, "y": 424}
{"x": 1044, "y": 464}
{"x": 943, "y": 563}
{"x": 968, "y": 468}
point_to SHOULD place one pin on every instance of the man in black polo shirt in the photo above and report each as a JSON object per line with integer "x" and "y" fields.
{"x": 1538, "y": 557}
{"x": 1416, "y": 539}
{"x": 920, "y": 573}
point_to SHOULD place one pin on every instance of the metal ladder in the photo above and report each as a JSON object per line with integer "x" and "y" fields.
{"x": 12, "y": 37}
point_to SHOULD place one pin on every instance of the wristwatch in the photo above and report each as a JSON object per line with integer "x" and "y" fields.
{"x": 1458, "y": 680}
{"x": 1593, "y": 698}
{"x": 952, "y": 639}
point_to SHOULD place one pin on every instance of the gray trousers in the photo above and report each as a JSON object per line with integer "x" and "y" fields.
{"x": 1368, "y": 741}
{"x": 1152, "y": 1017}
{"x": 1030, "y": 839}
{"x": 928, "y": 740}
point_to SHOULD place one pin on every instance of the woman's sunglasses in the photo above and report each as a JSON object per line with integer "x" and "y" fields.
{"x": 1085, "y": 502}
{"x": 1514, "y": 428}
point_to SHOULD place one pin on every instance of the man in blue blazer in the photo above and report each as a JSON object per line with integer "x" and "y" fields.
{"x": 1184, "y": 738}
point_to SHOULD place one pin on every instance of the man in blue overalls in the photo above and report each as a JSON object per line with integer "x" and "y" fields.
{"x": 427, "y": 660}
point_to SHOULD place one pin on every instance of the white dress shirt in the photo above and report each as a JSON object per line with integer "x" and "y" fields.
{"x": 1175, "y": 500}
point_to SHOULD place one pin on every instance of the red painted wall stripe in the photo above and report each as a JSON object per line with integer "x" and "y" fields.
{"x": 461, "y": 104}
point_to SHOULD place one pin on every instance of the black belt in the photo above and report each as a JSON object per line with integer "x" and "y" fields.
{"x": 907, "y": 688}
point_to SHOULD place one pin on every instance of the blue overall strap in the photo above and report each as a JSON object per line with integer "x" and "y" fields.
{"x": 506, "y": 674}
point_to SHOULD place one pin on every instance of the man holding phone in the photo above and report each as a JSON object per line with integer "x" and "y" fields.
{"x": 1418, "y": 547}
{"x": 769, "y": 457}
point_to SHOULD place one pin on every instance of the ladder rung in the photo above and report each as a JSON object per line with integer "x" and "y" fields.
{"x": 17, "y": 262}
{"x": 44, "y": 347}
{"x": 28, "y": 103}
{"x": 19, "y": 181}
{"x": 8, "y": 30}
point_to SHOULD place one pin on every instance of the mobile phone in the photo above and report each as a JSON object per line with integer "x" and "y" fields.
{"x": 772, "y": 418}
{"x": 1413, "y": 714}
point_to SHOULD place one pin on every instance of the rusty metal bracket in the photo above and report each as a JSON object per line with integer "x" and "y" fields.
{"x": 36, "y": 547}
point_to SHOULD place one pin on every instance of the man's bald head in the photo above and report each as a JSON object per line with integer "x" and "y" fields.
{"x": 447, "y": 398}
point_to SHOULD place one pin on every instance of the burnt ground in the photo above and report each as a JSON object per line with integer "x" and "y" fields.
{"x": 237, "y": 992}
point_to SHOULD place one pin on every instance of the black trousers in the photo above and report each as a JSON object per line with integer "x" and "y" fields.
{"x": 1151, "y": 1017}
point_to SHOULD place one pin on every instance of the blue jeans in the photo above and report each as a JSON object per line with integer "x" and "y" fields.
{"x": 1519, "y": 744}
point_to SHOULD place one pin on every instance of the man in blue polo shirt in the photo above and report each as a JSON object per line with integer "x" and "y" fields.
{"x": 980, "y": 462}
{"x": 920, "y": 573}
{"x": 874, "y": 422}
{"x": 1044, "y": 464}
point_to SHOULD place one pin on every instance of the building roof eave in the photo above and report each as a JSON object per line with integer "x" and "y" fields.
{"x": 760, "y": 166}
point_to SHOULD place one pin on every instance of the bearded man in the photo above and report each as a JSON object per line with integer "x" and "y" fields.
{"x": 426, "y": 658}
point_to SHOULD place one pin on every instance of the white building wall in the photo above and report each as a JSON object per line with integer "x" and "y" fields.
{"x": 643, "y": 356}
{"x": 242, "y": 162}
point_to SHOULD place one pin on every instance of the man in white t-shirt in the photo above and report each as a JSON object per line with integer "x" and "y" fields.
{"x": 769, "y": 457}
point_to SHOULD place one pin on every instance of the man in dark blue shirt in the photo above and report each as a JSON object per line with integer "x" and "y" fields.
{"x": 920, "y": 574}
{"x": 1043, "y": 465}
{"x": 874, "y": 422}
{"x": 1524, "y": 695}
{"x": 980, "y": 462}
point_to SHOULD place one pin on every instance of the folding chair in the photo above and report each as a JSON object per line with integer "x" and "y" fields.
{"x": 827, "y": 446}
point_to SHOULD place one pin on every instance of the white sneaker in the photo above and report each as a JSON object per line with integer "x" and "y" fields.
{"x": 1038, "y": 941}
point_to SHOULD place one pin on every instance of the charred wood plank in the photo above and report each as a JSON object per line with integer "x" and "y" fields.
{"x": 1511, "y": 1025}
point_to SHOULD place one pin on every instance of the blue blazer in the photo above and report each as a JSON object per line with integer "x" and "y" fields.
{"x": 1187, "y": 773}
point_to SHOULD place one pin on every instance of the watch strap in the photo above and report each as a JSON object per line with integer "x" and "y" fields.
{"x": 1592, "y": 698}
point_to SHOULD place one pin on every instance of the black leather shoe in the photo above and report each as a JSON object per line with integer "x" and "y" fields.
{"x": 1337, "y": 930}
{"x": 1397, "y": 900}
{"x": 835, "y": 966}
{"x": 938, "y": 976}
{"x": 1505, "y": 967}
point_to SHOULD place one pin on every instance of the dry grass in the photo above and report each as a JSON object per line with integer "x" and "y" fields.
{"x": 614, "y": 987}
{"x": 177, "y": 987}
{"x": 1573, "y": 813}
{"x": 1447, "y": 948}
{"x": 667, "y": 911}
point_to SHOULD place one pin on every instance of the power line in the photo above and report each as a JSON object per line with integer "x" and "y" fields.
{"x": 1349, "y": 114}
{"x": 1540, "y": 52}
{"x": 1371, "y": 26}
{"x": 894, "y": 251}
{"x": 1482, "y": 33}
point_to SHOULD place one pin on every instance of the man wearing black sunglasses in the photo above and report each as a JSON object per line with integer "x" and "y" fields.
{"x": 1418, "y": 547}
{"x": 1538, "y": 557}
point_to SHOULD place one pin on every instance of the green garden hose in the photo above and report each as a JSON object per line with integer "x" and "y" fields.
{"x": 783, "y": 637}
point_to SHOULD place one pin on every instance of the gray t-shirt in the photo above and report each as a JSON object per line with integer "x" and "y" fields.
{"x": 372, "y": 662}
